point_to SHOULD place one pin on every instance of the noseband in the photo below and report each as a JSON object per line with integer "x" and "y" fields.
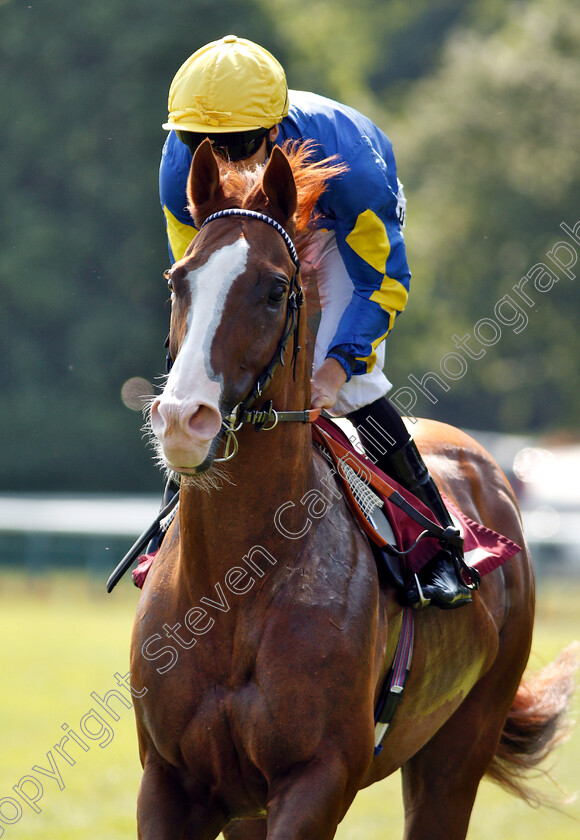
{"x": 267, "y": 418}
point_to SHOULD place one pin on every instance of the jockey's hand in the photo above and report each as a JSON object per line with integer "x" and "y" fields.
{"x": 326, "y": 383}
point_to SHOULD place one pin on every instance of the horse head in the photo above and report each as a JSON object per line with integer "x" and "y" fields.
{"x": 233, "y": 299}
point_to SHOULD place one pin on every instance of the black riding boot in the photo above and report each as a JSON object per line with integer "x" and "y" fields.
{"x": 440, "y": 581}
{"x": 389, "y": 445}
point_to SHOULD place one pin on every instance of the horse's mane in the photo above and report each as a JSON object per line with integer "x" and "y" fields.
{"x": 243, "y": 188}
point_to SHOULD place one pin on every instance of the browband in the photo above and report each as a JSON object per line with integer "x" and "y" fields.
{"x": 253, "y": 214}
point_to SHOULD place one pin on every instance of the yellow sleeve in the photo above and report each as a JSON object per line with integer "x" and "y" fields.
{"x": 179, "y": 234}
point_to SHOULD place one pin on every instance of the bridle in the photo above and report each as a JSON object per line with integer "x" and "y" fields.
{"x": 267, "y": 418}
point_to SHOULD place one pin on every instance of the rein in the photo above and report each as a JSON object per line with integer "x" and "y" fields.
{"x": 267, "y": 418}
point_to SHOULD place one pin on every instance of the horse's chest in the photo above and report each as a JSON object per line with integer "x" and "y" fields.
{"x": 212, "y": 733}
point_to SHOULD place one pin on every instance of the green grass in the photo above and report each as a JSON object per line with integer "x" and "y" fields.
{"x": 62, "y": 639}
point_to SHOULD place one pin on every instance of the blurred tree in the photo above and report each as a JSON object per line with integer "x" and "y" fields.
{"x": 366, "y": 54}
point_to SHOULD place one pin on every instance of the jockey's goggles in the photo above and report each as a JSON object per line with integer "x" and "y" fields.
{"x": 233, "y": 146}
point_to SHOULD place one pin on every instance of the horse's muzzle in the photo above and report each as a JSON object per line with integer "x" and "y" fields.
{"x": 185, "y": 432}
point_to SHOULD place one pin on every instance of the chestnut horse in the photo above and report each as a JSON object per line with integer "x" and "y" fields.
{"x": 257, "y": 657}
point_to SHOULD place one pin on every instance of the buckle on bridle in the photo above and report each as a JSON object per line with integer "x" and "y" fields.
{"x": 229, "y": 452}
{"x": 273, "y": 417}
{"x": 231, "y": 424}
{"x": 296, "y": 296}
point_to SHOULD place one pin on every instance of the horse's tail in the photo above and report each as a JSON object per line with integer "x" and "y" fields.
{"x": 536, "y": 723}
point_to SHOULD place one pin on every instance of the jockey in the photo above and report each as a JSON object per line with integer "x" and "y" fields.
{"x": 235, "y": 92}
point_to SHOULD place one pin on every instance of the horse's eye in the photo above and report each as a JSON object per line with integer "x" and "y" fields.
{"x": 167, "y": 275}
{"x": 277, "y": 294}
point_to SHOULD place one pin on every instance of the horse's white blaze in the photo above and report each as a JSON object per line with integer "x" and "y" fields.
{"x": 192, "y": 380}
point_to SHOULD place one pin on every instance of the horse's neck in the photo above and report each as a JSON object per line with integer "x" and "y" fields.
{"x": 262, "y": 486}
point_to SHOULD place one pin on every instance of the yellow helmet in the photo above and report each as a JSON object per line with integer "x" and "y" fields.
{"x": 228, "y": 85}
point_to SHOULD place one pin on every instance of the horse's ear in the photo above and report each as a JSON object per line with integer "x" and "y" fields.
{"x": 278, "y": 185}
{"x": 204, "y": 183}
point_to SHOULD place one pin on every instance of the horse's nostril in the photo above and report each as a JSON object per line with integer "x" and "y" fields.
{"x": 197, "y": 421}
{"x": 204, "y": 422}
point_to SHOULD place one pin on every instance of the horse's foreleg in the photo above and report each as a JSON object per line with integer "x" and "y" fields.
{"x": 308, "y": 802}
{"x": 164, "y": 812}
